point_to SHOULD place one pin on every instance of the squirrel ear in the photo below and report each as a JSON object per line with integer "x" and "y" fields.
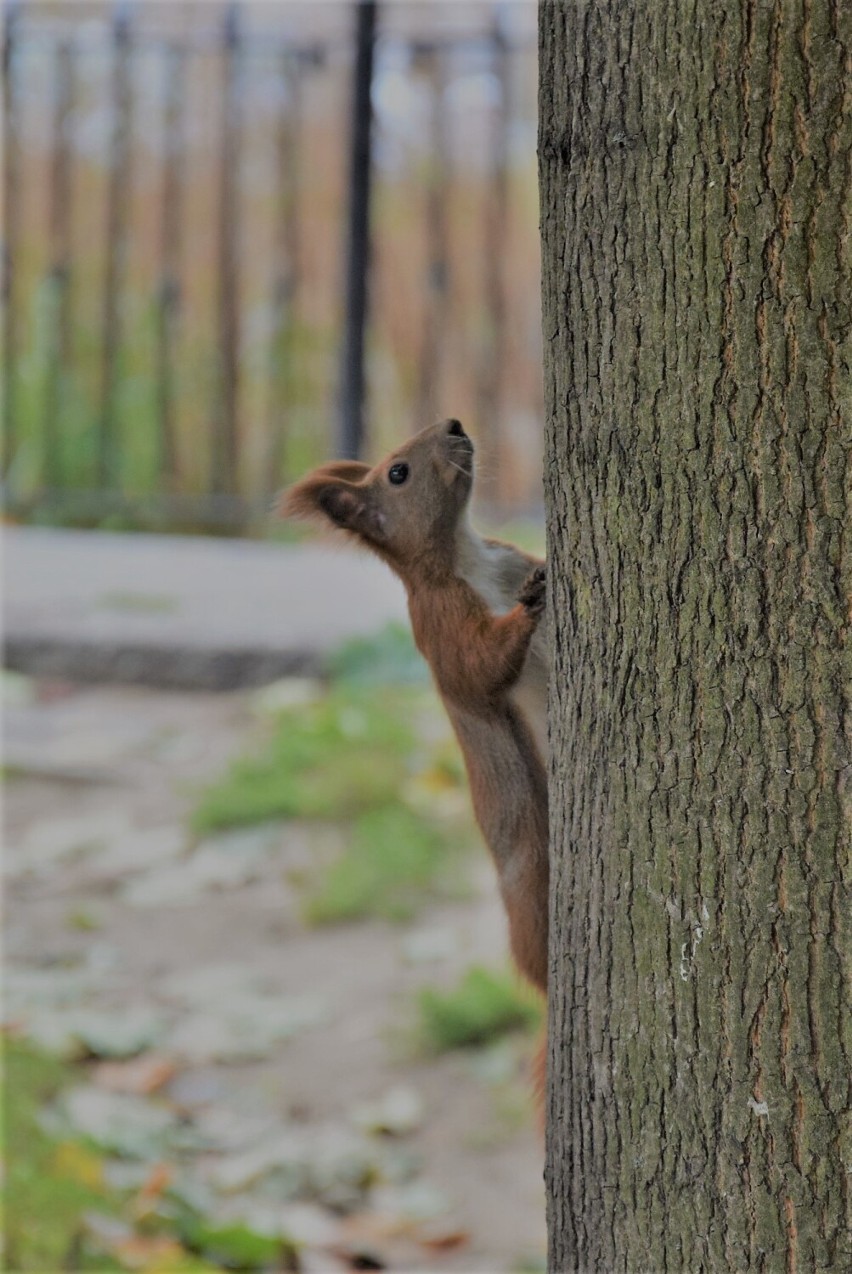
{"x": 337, "y": 491}
{"x": 352, "y": 509}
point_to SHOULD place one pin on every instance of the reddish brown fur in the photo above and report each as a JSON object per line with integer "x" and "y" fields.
{"x": 490, "y": 668}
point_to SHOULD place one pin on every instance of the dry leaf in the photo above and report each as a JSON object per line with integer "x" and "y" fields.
{"x": 139, "y": 1075}
{"x": 447, "y": 1240}
{"x": 78, "y": 1163}
{"x": 147, "y": 1253}
{"x": 158, "y": 1179}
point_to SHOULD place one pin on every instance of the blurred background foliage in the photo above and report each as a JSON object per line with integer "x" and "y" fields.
{"x": 175, "y": 190}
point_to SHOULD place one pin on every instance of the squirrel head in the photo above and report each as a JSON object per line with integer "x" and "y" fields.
{"x": 406, "y": 508}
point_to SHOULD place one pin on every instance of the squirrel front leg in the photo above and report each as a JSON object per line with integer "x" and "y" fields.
{"x": 491, "y": 649}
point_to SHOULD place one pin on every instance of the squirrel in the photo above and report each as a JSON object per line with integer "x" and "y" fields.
{"x": 475, "y": 607}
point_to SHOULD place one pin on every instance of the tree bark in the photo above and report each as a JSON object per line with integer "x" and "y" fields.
{"x": 694, "y": 160}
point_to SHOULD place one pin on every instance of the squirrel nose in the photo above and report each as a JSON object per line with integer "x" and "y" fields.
{"x": 454, "y": 427}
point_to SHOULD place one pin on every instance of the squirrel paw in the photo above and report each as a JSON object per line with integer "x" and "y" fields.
{"x": 533, "y": 592}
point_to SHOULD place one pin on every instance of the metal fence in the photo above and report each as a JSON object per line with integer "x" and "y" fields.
{"x": 175, "y": 196}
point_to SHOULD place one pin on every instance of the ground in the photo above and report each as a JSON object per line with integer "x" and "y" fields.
{"x": 279, "y": 1079}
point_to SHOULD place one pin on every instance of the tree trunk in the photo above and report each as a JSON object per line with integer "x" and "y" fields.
{"x": 693, "y": 161}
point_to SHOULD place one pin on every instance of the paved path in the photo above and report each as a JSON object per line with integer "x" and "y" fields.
{"x": 249, "y": 1048}
{"x": 184, "y": 611}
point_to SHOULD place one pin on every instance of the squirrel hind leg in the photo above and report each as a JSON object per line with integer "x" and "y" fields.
{"x": 525, "y": 898}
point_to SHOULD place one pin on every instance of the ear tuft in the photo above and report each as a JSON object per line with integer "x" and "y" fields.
{"x": 339, "y": 493}
{"x": 296, "y": 502}
{"x": 303, "y": 499}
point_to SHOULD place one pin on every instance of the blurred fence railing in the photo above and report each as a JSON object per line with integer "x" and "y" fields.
{"x": 173, "y": 237}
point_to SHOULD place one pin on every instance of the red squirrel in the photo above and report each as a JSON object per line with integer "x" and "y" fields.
{"x": 475, "y": 607}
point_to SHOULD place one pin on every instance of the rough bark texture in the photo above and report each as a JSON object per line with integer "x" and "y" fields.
{"x": 694, "y": 159}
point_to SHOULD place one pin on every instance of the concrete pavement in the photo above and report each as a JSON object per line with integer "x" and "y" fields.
{"x": 184, "y": 611}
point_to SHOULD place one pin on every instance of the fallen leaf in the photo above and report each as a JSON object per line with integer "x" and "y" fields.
{"x": 28, "y": 988}
{"x": 443, "y": 1240}
{"x": 226, "y": 1129}
{"x": 138, "y": 850}
{"x": 225, "y": 861}
{"x": 73, "y": 1160}
{"x": 143, "y": 1252}
{"x": 157, "y": 1181}
{"x": 416, "y": 1201}
{"x": 120, "y": 1122}
{"x": 84, "y": 920}
{"x": 116, "y": 1034}
{"x": 282, "y": 1155}
{"x": 141, "y": 1075}
{"x": 357, "y": 1260}
{"x": 370, "y": 1229}
{"x": 308, "y": 1223}
{"x": 243, "y": 1026}
{"x": 52, "y": 840}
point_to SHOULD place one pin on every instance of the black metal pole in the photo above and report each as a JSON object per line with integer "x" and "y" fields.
{"x": 352, "y": 380}
{"x": 224, "y": 476}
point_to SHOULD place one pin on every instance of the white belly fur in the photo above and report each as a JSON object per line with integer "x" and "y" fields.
{"x": 478, "y": 563}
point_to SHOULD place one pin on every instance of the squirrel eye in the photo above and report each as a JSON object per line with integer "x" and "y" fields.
{"x": 397, "y": 473}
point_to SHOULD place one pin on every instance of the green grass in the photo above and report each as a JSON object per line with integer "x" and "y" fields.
{"x": 236, "y": 1247}
{"x": 48, "y": 1186}
{"x": 394, "y": 861}
{"x": 51, "y": 1185}
{"x": 333, "y": 759}
{"x": 357, "y": 757}
{"x": 480, "y": 1009}
{"x": 387, "y": 658}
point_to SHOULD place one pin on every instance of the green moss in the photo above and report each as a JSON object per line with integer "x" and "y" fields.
{"x": 481, "y": 1008}
{"x": 335, "y": 758}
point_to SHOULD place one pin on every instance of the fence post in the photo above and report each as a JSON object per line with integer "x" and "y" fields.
{"x": 60, "y": 270}
{"x": 285, "y": 262}
{"x": 495, "y": 234}
{"x": 118, "y": 208}
{"x": 352, "y": 378}
{"x": 11, "y": 183}
{"x": 437, "y": 282}
{"x": 170, "y": 255}
{"x": 223, "y": 475}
